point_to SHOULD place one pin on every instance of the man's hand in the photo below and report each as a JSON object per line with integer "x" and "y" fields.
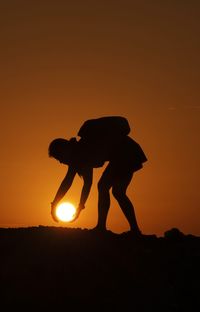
{"x": 78, "y": 210}
{"x": 53, "y": 212}
{"x": 80, "y": 207}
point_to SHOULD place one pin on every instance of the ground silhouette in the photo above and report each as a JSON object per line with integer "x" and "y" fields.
{"x": 65, "y": 268}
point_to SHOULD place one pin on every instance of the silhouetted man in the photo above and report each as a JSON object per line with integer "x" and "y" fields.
{"x": 125, "y": 156}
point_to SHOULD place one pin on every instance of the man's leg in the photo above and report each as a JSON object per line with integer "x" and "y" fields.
{"x": 119, "y": 192}
{"x": 104, "y": 186}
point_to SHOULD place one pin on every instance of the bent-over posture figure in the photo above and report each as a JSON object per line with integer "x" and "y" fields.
{"x": 124, "y": 156}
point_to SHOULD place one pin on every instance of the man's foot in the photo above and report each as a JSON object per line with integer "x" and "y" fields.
{"x": 136, "y": 232}
{"x": 139, "y": 235}
{"x": 102, "y": 231}
{"x": 99, "y": 229}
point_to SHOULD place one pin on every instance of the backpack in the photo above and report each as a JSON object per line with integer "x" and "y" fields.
{"x": 98, "y": 137}
{"x": 104, "y": 128}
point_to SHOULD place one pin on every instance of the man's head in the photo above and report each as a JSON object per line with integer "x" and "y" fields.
{"x": 60, "y": 149}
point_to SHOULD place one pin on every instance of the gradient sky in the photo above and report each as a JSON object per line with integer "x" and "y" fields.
{"x": 63, "y": 62}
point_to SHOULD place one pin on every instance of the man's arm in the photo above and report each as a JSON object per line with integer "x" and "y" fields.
{"x": 64, "y": 186}
{"x": 87, "y": 178}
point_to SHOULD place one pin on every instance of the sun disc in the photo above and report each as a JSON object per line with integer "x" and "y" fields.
{"x": 65, "y": 212}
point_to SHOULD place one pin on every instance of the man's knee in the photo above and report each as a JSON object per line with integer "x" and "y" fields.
{"x": 118, "y": 193}
{"x": 102, "y": 186}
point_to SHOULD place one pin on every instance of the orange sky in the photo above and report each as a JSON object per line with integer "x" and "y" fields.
{"x": 63, "y": 62}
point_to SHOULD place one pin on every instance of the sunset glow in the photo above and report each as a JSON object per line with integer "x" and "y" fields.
{"x": 65, "y": 62}
{"x": 65, "y": 212}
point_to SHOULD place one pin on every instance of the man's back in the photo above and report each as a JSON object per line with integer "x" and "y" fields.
{"x": 103, "y": 128}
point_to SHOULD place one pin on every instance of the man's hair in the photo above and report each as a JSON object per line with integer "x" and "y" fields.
{"x": 57, "y": 147}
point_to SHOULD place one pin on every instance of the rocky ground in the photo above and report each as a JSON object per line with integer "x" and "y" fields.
{"x": 45, "y": 268}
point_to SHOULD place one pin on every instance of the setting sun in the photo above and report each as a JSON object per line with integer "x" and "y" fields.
{"x": 65, "y": 212}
